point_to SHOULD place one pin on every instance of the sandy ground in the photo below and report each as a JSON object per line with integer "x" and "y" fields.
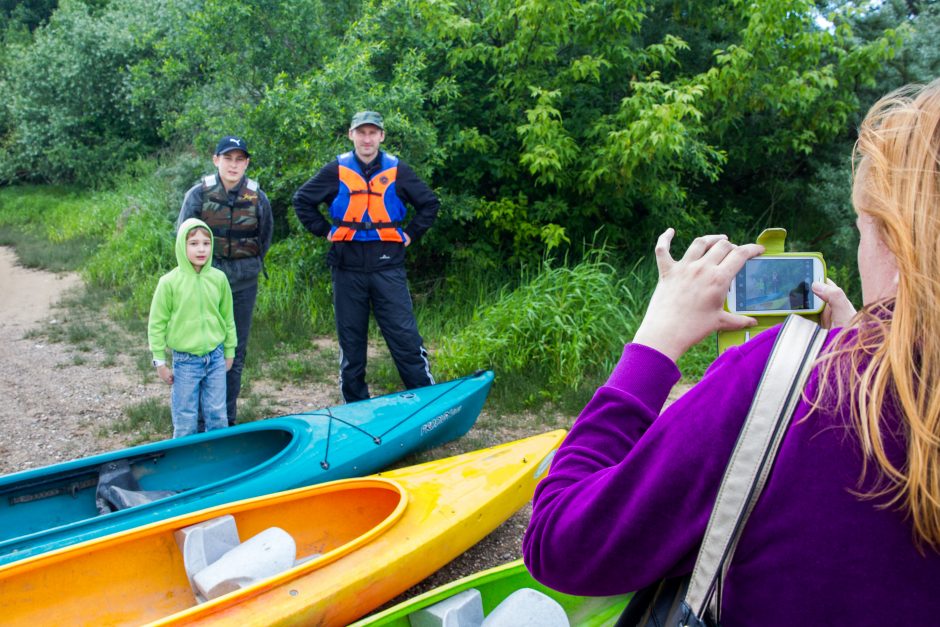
{"x": 50, "y": 410}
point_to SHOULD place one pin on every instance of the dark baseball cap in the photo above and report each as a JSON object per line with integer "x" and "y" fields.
{"x": 366, "y": 117}
{"x": 230, "y": 143}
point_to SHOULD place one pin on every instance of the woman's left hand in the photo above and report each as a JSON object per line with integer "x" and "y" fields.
{"x": 838, "y": 311}
{"x": 688, "y": 301}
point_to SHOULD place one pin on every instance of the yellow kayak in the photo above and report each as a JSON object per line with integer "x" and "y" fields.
{"x": 359, "y": 543}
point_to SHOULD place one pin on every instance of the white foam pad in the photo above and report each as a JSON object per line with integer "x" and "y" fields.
{"x": 464, "y": 609}
{"x": 270, "y": 552}
{"x": 527, "y": 608}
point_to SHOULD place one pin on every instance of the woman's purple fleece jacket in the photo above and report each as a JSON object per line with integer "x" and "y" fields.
{"x": 630, "y": 492}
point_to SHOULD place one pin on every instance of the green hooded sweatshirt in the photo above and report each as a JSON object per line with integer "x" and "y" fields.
{"x": 191, "y": 311}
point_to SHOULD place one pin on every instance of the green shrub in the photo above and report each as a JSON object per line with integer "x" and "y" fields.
{"x": 559, "y": 326}
{"x": 297, "y": 286}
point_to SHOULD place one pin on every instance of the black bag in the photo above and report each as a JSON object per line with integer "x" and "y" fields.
{"x": 654, "y": 604}
{"x": 118, "y": 488}
{"x": 695, "y": 600}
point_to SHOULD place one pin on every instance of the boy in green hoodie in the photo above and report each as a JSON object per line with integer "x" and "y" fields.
{"x": 191, "y": 315}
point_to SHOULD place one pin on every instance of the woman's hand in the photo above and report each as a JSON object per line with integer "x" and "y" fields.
{"x": 838, "y": 311}
{"x": 687, "y": 303}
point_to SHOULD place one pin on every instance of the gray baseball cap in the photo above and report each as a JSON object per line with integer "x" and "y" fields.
{"x": 366, "y": 117}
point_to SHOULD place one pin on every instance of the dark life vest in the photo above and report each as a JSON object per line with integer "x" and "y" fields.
{"x": 235, "y": 227}
{"x": 364, "y": 210}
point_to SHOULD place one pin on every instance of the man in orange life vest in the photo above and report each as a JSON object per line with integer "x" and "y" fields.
{"x": 366, "y": 190}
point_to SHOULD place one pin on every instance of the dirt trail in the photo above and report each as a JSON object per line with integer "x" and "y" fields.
{"x": 50, "y": 409}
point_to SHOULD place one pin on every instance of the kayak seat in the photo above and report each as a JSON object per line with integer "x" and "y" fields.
{"x": 269, "y": 553}
{"x": 204, "y": 543}
{"x": 464, "y": 609}
{"x": 118, "y": 488}
{"x": 526, "y": 607}
{"x": 523, "y": 608}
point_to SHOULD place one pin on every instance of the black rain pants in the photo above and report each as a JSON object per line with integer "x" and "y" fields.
{"x": 385, "y": 292}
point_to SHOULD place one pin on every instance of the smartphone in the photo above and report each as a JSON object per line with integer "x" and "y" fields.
{"x": 777, "y": 285}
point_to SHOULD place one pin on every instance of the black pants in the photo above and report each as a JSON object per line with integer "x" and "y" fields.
{"x": 385, "y": 292}
{"x": 243, "y": 307}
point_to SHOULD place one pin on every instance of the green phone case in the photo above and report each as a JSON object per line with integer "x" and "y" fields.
{"x": 773, "y": 241}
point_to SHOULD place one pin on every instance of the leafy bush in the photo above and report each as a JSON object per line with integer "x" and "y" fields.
{"x": 67, "y": 98}
{"x": 297, "y": 287}
{"x": 137, "y": 219}
{"x": 560, "y": 325}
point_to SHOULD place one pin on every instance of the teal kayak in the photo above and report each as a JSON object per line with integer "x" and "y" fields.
{"x": 494, "y": 586}
{"x": 55, "y": 506}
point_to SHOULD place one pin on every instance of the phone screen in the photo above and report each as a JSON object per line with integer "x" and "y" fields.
{"x": 775, "y": 284}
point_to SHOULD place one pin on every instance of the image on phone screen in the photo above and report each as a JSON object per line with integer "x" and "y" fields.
{"x": 775, "y": 284}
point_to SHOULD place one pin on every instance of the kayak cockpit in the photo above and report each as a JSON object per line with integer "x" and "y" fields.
{"x": 140, "y": 576}
{"x": 37, "y": 502}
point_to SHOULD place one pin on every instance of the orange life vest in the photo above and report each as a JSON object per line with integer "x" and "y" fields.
{"x": 367, "y": 210}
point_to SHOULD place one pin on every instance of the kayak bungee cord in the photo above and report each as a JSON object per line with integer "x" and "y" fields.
{"x": 456, "y": 382}
{"x": 377, "y": 439}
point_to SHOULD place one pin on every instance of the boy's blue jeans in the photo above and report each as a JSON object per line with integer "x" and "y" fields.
{"x": 198, "y": 381}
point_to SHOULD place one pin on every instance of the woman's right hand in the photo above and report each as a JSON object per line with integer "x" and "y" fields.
{"x": 838, "y": 311}
{"x": 688, "y": 301}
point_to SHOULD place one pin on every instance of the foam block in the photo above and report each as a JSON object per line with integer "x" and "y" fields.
{"x": 464, "y": 609}
{"x": 204, "y": 543}
{"x": 527, "y": 608}
{"x": 270, "y": 552}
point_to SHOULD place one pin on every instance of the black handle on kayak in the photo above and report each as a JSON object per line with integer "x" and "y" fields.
{"x": 75, "y": 474}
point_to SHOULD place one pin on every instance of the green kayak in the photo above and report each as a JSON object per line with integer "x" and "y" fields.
{"x": 494, "y": 585}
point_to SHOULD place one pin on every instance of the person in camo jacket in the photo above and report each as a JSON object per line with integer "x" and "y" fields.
{"x": 240, "y": 217}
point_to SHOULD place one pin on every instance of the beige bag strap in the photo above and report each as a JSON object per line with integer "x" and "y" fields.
{"x": 779, "y": 392}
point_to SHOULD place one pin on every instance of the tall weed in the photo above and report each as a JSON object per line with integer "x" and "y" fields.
{"x": 559, "y": 326}
{"x": 445, "y": 304}
{"x": 139, "y": 215}
{"x": 297, "y": 287}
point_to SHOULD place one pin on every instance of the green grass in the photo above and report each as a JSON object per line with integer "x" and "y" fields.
{"x": 561, "y": 327}
{"x": 148, "y": 420}
{"x": 253, "y": 407}
{"x": 296, "y": 369}
{"x": 36, "y": 251}
{"x": 697, "y": 360}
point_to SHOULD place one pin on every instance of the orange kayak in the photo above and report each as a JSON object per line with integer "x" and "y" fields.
{"x": 359, "y": 543}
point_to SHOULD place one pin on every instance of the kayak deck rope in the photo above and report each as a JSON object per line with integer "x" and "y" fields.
{"x": 377, "y": 439}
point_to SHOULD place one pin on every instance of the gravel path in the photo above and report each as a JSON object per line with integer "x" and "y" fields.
{"x": 50, "y": 410}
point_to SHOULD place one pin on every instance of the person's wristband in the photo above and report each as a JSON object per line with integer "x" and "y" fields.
{"x": 157, "y": 363}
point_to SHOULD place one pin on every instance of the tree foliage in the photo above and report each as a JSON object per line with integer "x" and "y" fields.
{"x": 541, "y": 124}
{"x": 538, "y": 121}
{"x": 68, "y": 109}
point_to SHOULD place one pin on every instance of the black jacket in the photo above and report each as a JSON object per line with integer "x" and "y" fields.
{"x": 323, "y": 187}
